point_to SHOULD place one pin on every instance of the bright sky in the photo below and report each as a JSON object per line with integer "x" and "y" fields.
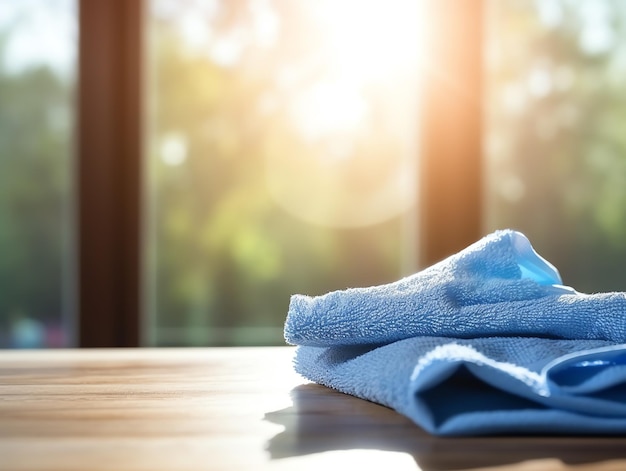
{"x": 39, "y": 32}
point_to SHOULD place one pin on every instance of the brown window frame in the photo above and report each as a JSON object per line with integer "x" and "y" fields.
{"x": 451, "y": 157}
{"x": 110, "y": 146}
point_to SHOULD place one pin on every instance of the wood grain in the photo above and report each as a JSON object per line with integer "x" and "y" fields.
{"x": 231, "y": 409}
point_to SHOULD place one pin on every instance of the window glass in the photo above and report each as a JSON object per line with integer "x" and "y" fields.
{"x": 37, "y": 78}
{"x": 556, "y": 140}
{"x": 282, "y": 153}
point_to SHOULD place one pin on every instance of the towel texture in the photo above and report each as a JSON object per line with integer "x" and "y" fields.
{"x": 486, "y": 341}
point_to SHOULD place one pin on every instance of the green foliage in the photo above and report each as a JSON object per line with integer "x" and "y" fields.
{"x": 224, "y": 257}
{"x": 35, "y": 185}
{"x": 227, "y": 256}
{"x": 557, "y": 116}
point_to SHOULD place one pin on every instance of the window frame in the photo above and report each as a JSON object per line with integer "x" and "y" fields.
{"x": 451, "y": 156}
{"x": 109, "y": 148}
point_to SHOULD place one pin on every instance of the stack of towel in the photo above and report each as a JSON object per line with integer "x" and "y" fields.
{"x": 487, "y": 341}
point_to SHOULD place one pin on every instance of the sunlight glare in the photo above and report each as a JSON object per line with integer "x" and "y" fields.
{"x": 369, "y": 43}
{"x": 356, "y": 458}
{"x": 354, "y": 103}
{"x": 373, "y": 40}
{"x": 329, "y": 107}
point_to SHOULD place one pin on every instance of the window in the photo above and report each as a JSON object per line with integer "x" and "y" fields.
{"x": 555, "y": 142}
{"x": 280, "y": 155}
{"x": 37, "y": 81}
{"x": 282, "y": 159}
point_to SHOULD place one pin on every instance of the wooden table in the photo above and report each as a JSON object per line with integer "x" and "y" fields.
{"x": 231, "y": 409}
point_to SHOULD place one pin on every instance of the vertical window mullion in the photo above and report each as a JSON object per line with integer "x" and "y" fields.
{"x": 108, "y": 172}
{"x": 451, "y": 165}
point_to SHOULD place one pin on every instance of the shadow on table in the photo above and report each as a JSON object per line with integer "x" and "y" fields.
{"x": 325, "y": 420}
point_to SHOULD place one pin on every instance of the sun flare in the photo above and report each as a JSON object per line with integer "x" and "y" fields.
{"x": 370, "y": 44}
{"x": 354, "y": 109}
{"x": 373, "y": 40}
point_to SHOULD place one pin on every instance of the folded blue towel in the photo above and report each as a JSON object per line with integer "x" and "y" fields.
{"x": 487, "y": 341}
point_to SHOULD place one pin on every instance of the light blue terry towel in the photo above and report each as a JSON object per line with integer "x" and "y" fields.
{"x": 486, "y": 341}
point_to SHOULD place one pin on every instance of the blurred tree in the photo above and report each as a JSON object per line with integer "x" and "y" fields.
{"x": 228, "y": 256}
{"x": 35, "y": 185}
{"x": 556, "y": 123}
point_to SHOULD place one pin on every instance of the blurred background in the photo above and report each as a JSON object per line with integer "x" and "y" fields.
{"x": 281, "y": 154}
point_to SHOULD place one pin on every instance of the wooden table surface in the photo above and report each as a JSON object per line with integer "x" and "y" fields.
{"x": 232, "y": 409}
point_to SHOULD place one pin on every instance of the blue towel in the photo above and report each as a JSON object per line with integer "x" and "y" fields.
{"x": 487, "y": 341}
